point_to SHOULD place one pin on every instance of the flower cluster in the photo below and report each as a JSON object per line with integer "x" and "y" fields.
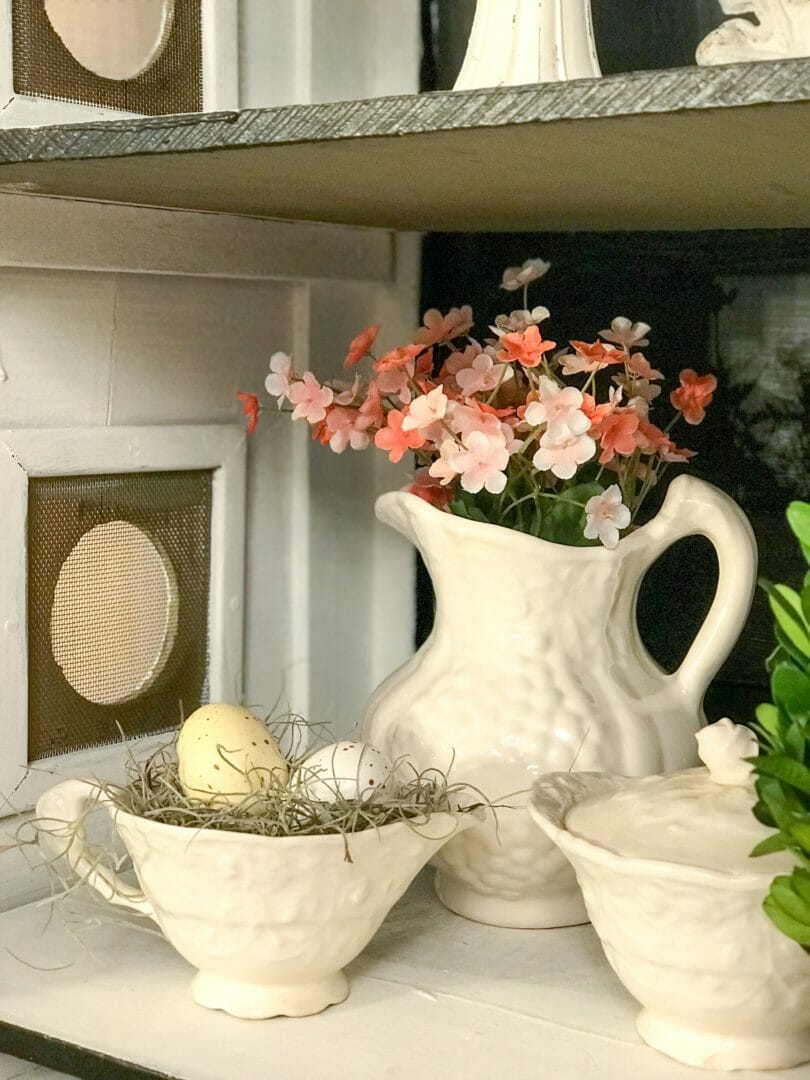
{"x": 511, "y": 429}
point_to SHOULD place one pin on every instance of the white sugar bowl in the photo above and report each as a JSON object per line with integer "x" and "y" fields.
{"x": 665, "y": 870}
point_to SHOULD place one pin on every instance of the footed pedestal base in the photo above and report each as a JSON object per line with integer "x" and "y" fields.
{"x": 709, "y": 1050}
{"x": 255, "y": 1001}
{"x": 531, "y": 913}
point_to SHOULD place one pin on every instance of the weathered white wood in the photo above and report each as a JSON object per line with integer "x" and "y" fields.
{"x": 75, "y": 235}
{"x": 56, "y": 335}
{"x": 66, "y": 452}
{"x": 432, "y": 995}
{"x": 686, "y": 131}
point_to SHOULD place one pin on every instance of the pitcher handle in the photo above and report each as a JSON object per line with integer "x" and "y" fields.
{"x": 60, "y": 814}
{"x": 694, "y": 508}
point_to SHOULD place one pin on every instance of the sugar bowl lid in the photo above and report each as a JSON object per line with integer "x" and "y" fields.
{"x": 700, "y": 817}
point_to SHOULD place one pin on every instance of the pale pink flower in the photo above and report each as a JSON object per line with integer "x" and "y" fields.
{"x": 395, "y": 382}
{"x": 443, "y": 468}
{"x": 513, "y": 444}
{"x": 425, "y": 410}
{"x": 457, "y": 361}
{"x": 439, "y": 328}
{"x": 516, "y": 277}
{"x": 481, "y": 463}
{"x": 606, "y": 516}
{"x": 519, "y": 320}
{"x": 643, "y": 388}
{"x": 347, "y": 427}
{"x": 310, "y": 399}
{"x": 466, "y": 418}
{"x": 623, "y": 332}
{"x": 371, "y": 410}
{"x": 347, "y": 396}
{"x": 560, "y": 408}
{"x": 563, "y": 458}
{"x": 277, "y": 382}
{"x": 484, "y": 375}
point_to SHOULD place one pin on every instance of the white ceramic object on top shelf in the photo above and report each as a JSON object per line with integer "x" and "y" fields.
{"x": 534, "y": 665}
{"x": 513, "y": 42}
{"x": 665, "y": 869}
{"x": 782, "y": 31}
{"x": 269, "y": 922}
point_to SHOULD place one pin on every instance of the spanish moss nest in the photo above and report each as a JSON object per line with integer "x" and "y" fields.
{"x": 153, "y": 791}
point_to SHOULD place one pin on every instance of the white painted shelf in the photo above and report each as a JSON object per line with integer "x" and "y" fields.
{"x": 432, "y": 996}
{"x": 688, "y": 148}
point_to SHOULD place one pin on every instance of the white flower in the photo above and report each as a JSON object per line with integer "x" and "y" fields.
{"x": 563, "y": 458}
{"x": 277, "y": 382}
{"x": 606, "y": 516}
{"x": 724, "y": 746}
{"x": 623, "y": 332}
{"x": 515, "y": 277}
{"x": 481, "y": 463}
{"x": 443, "y": 468}
{"x": 560, "y": 408}
{"x": 425, "y": 410}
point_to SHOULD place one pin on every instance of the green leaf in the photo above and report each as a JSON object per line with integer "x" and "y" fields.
{"x": 791, "y": 689}
{"x": 564, "y": 520}
{"x": 785, "y": 769}
{"x": 789, "y": 900}
{"x": 787, "y": 609}
{"x": 771, "y": 722}
{"x": 804, "y": 596}
{"x": 777, "y": 842}
{"x": 800, "y": 834}
{"x": 795, "y": 654}
{"x": 782, "y": 921}
{"x": 801, "y": 883}
{"x": 798, "y": 516}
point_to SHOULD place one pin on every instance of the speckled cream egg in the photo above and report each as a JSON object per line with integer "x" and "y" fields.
{"x": 225, "y": 753}
{"x": 345, "y": 770}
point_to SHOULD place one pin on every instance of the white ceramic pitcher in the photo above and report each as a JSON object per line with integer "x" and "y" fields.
{"x": 535, "y": 665}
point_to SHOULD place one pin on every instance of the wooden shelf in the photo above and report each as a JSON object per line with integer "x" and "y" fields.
{"x": 689, "y": 148}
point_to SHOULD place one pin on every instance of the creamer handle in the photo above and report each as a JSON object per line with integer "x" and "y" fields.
{"x": 694, "y": 508}
{"x": 60, "y": 815}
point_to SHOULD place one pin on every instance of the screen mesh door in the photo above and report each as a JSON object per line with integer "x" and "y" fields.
{"x": 118, "y": 589}
{"x": 45, "y": 67}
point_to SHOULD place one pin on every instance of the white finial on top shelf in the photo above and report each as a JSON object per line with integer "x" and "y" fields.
{"x": 782, "y": 31}
{"x": 724, "y": 747}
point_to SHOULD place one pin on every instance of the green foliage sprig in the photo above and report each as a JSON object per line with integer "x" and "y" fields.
{"x": 783, "y": 726}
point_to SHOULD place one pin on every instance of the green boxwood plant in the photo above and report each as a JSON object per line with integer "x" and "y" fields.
{"x": 783, "y": 727}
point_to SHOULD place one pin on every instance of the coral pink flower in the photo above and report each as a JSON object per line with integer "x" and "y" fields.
{"x": 429, "y": 489}
{"x": 640, "y": 366}
{"x": 617, "y": 434}
{"x": 597, "y": 413}
{"x": 483, "y": 375}
{"x": 457, "y": 361}
{"x": 396, "y": 441}
{"x": 361, "y": 345}
{"x": 310, "y": 399}
{"x": 439, "y": 329}
{"x": 516, "y": 277}
{"x": 672, "y": 453}
{"x": 563, "y": 458}
{"x": 250, "y": 407}
{"x": 347, "y": 427}
{"x": 590, "y": 357}
{"x": 623, "y": 332}
{"x": 560, "y": 408}
{"x": 277, "y": 382}
{"x": 526, "y": 348}
{"x": 606, "y": 516}
{"x": 481, "y": 463}
{"x": 397, "y": 358}
{"x": 425, "y": 410}
{"x": 693, "y": 395}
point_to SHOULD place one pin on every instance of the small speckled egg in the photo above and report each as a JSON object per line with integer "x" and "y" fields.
{"x": 225, "y": 753}
{"x": 345, "y": 770}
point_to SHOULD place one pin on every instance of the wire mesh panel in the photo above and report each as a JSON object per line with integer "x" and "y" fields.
{"x": 118, "y": 591}
{"x": 44, "y": 67}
